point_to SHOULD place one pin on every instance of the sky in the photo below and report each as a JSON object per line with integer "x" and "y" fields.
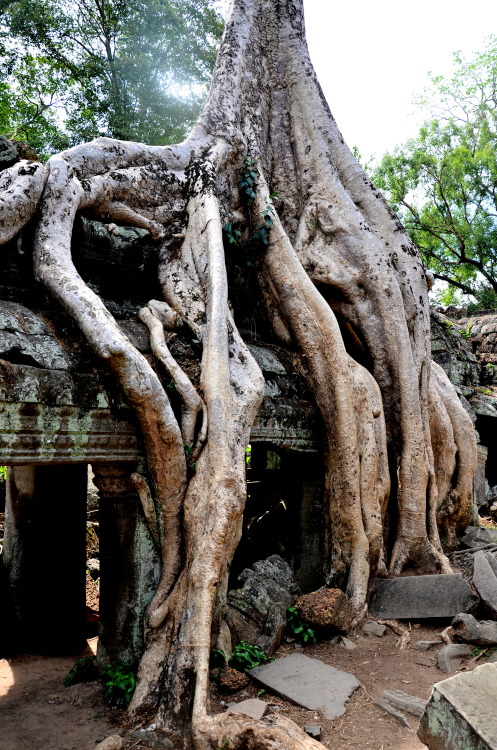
{"x": 372, "y": 58}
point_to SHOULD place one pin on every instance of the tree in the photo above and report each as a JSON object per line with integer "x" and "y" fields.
{"x": 339, "y": 281}
{"x": 443, "y": 183}
{"x": 124, "y": 68}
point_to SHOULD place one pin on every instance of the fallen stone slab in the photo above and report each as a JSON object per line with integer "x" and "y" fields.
{"x": 485, "y": 581}
{"x": 461, "y": 714}
{"x": 450, "y": 657}
{"x": 374, "y": 628}
{"x": 309, "y": 683}
{"x": 468, "y": 629}
{"x": 410, "y": 704}
{"x": 419, "y": 597}
{"x": 425, "y": 645}
{"x": 389, "y": 709}
{"x": 313, "y": 730}
{"x": 253, "y": 708}
{"x": 476, "y": 537}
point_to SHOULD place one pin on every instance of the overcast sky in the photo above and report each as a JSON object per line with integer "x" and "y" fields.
{"x": 373, "y": 57}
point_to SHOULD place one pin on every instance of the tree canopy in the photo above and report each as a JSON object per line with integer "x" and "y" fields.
{"x": 443, "y": 183}
{"x": 75, "y": 69}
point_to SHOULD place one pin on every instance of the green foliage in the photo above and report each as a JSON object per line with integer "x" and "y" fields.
{"x": 249, "y": 178}
{"x": 466, "y": 331}
{"x": 443, "y": 183}
{"x": 84, "y": 670}
{"x": 3, "y": 473}
{"x": 233, "y": 234}
{"x": 298, "y": 627}
{"x": 245, "y": 657}
{"x": 119, "y": 680}
{"x": 71, "y": 70}
{"x": 218, "y": 658}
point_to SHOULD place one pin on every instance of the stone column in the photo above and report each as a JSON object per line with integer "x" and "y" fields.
{"x": 311, "y": 557}
{"x": 479, "y": 482}
{"x": 44, "y": 555}
{"x": 129, "y": 565}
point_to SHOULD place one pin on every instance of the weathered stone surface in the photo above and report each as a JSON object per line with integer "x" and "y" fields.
{"x": 114, "y": 742}
{"x": 267, "y": 360}
{"x": 347, "y": 643}
{"x": 451, "y": 351}
{"x": 253, "y": 708}
{"x": 26, "y": 339}
{"x": 309, "y": 683}
{"x": 450, "y": 657}
{"x": 223, "y": 641}
{"x": 418, "y": 597}
{"x": 425, "y": 645}
{"x": 8, "y": 153}
{"x": 492, "y": 659}
{"x": 374, "y": 628}
{"x": 257, "y": 611}
{"x": 476, "y": 537}
{"x": 485, "y": 581}
{"x": 328, "y": 608}
{"x": 468, "y": 629}
{"x": 411, "y": 704}
{"x": 313, "y": 730}
{"x": 461, "y": 714}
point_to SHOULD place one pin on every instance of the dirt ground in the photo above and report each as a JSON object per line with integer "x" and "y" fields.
{"x": 37, "y": 712}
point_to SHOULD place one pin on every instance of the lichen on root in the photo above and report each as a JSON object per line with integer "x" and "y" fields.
{"x": 338, "y": 280}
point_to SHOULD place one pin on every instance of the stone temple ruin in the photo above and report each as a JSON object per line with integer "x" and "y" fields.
{"x": 60, "y": 413}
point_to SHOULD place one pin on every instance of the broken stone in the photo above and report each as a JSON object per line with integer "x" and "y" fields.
{"x": 461, "y": 712}
{"x": 468, "y": 629}
{"x": 309, "y": 683}
{"x": 425, "y": 645}
{"x": 485, "y": 581}
{"x": 256, "y": 613}
{"x": 8, "y": 153}
{"x": 313, "y": 731}
{"x": 404, "y": 702}
{"x": 267, "y": 360}
{"x": 419, "y": 597}
{"x": 253, "y": 708}
{"x": 450, "y": 657}
{"x": 374, "y": 628}
{"x": 477, "y": 536}
{"x": 223, "y": 642}
{"x": 114, "y": 742}
{"x": 347, "y": 643}
{"x": 381, "y": 703}
{"x": 492, "y": 659}
{"x": 328, "y": 608}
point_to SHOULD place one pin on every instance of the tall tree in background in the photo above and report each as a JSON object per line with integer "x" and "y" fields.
{"x": 131, "y": 69}
{"x": 443, "y": 183}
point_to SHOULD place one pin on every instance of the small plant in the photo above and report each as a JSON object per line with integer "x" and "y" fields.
{"x": 218, "y": 658}
{"x": 298, "y": 627}
{"x": 84, "y": 670}
{"x": 245, "y": 657}
{"x": 466, "y": 331}
{"x": 119, "y": 681}
{"x": 3, "y": 473}
{"x": 249, "y": 178}
{"x": 233, "y": 234}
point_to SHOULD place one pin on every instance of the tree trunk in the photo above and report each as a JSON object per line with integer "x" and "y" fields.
{"x": 339, "y": 280}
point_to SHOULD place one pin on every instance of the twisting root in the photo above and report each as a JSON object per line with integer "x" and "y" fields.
{"x": 21, "y": 187}
{"x": 192, "y": 403}
{"x": 141, "y": 485}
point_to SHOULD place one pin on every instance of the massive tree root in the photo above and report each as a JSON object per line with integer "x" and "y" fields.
{"x": 339, "y": 281}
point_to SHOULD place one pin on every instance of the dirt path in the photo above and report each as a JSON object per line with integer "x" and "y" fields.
{"x": 37, "y": 711}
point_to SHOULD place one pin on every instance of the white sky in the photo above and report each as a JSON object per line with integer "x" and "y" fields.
{"x": 372, "y": 57}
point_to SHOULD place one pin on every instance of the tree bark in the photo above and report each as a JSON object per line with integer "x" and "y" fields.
{"x": 340, "y": 282}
